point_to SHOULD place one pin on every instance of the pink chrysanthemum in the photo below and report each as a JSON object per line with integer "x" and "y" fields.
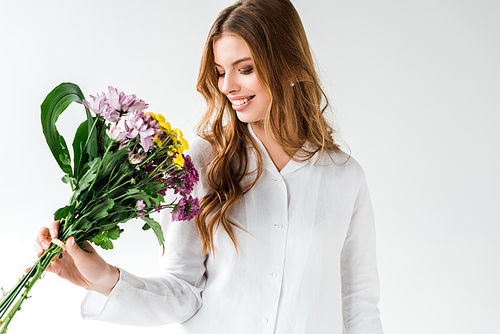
{"x": 100, "y": 105}
{"x": 139, "y": 124}
{"x": 121, "y": 102}
{"x": 187, "y": 208}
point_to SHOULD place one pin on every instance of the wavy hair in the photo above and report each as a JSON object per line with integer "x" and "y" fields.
{"x": 277, "y": 41}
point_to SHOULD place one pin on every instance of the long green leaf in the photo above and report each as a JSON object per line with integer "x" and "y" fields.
{"x": 78, "y": 146}
{"x": 153, "y": 224}
{"x": 52, "y": 107}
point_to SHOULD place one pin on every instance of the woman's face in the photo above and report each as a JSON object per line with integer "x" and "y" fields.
{"x": 238, "y": 79}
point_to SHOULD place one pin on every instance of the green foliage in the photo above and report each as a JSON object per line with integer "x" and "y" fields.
{"x": 153, "y": 224}
{"x": 52, "y": 107}
{"x": 106, "y": 186}
{"x": 63, "y": 212}
{"x": 100, "y": 210}
{"x": 79, "y": 143}
{"x": 104, "y": 239}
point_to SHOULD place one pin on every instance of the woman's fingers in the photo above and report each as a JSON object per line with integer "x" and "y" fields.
{"x": 44, "y": 237}
{"x": 43, "y": 240}
{"x": 54, "y": 228}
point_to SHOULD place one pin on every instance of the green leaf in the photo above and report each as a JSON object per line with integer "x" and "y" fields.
{"x": 151, "y": 223}
{"x": 83, "y": 224}
{"x": 92, "y": 148}
{"x": 102, "y": 241}
{"x": 63, "y": 212}
{"x": 100, "y": 211}
{"x": 52, "y": 107}
{"x": 86, "y": 179}
{"x": 79, "y": 142}
{"x": 114, "y": 233}
{"x": 65, "y": 178}
{"x": 113, "y": 159}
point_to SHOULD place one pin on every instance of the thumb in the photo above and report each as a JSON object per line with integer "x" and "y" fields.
{"x": 74, "y": 250}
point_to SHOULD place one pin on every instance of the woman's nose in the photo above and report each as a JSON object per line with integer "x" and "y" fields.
{"x": 229, "y": 84}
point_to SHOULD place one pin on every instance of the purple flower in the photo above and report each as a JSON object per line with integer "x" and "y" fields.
{"x": 186, "y": 209}
{"x": 140, "y": 205}
{"x": 139, "y": 124}
{"x": 190, "y": 177}
{"x": 175, "y": 183}
{"x": 114, "y": 132}
{"x": 121, "y": 102}
{"x": 183, "y": 181}
{"x": 100, "y": 106}
{"x": 111, "y": 105}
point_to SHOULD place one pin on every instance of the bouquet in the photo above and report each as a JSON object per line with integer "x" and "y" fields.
{"x": 124, "y": 161}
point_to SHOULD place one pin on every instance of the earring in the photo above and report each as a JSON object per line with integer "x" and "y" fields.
{"x": 292, "y": 83}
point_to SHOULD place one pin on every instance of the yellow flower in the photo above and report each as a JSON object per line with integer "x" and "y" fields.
{"x": 179, "y": 161}
{"x": 157, "y": 141}
{"x": 160, "y": 120}
{"x": 185, "y": 145}
{"x": 157, "y": 117}
{"x": 165, "y": 127}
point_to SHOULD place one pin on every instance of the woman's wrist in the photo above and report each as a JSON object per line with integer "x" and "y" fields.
{"x": 109, "y": 280}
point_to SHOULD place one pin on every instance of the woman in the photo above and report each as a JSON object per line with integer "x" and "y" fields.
{"x": 285, "y": 241}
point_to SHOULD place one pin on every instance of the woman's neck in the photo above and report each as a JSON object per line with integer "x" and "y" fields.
{"x": 277, "y": 155}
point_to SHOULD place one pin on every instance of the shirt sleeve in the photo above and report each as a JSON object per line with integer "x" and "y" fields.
{"x": 174, "y": 295}
{"x": 360, "y": 285}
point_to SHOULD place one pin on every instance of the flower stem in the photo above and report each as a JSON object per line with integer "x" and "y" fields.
{"x": 26, "y": 283}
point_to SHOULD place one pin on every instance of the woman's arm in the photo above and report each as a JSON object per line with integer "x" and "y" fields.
{"x": 360, "y": 286}
{"x": 173, "y": 296}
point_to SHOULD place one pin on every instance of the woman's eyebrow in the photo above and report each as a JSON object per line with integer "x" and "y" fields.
{"x": 236, "y": 62}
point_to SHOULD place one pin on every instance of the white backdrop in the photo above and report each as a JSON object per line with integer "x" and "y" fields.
{"x": 415, "y": 89}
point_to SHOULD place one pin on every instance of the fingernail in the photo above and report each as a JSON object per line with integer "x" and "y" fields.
{"x": 45, "y": 244}
{"x": 53, "y": 233}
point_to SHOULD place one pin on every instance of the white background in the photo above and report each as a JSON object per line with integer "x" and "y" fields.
{"x": 415, "y": 90}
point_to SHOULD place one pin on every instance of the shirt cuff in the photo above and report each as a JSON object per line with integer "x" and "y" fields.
{"x": 95, "y": 305}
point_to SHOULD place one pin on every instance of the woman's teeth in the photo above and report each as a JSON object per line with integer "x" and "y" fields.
{"x": 240, "y": 102}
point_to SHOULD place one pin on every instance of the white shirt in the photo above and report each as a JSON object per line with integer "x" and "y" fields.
{"x": 307, "y": 264}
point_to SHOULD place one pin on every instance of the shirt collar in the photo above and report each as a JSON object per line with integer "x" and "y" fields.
{"x": 268, "y": 163}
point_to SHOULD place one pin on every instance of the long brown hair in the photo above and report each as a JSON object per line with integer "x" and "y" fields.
{"x": 277, "y": 41}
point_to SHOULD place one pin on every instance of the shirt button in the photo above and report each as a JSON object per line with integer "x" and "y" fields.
{"x": 273, "y": 274}
{"x": 279, "y": 181}
{"x": 264, "y": 320}
{"x": 280, "y": 226}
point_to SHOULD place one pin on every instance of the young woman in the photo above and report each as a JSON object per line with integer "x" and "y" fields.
{"x": 285, "y": 241}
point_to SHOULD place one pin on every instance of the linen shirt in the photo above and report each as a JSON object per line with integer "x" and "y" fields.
{"x": 305, "y": 264}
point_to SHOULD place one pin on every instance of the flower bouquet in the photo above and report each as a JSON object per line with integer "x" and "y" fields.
{"x": 124, "y": 161}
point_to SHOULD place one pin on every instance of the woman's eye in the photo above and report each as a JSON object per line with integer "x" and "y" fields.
{"x": 246, "y": 70}
{"x": 220, "y": 75}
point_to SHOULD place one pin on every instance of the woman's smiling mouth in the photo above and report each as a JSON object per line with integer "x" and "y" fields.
{"x": 240, "y": 104}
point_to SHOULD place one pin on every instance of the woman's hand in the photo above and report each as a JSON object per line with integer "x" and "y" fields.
{"x": 83, "y": 267}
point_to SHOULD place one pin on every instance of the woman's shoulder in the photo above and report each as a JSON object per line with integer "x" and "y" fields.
{"x": 200, "y": 152}
{"x": 341, "y": 162}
